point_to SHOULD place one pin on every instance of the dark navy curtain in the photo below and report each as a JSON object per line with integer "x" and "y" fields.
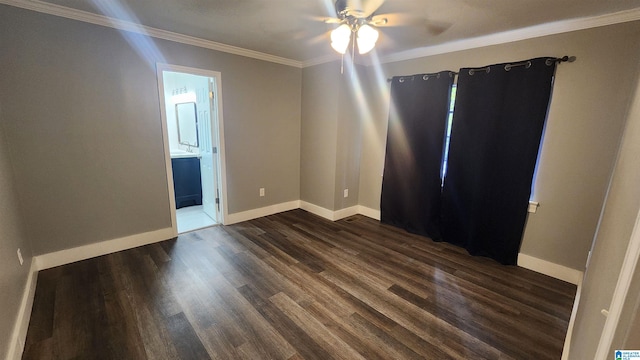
{"x": 411, "y": 185}
{"x": 499, "y": 118}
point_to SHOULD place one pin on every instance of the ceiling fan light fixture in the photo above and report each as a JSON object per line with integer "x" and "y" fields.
{"x": 367, "y": 37}
{"x": 340, "y": 38}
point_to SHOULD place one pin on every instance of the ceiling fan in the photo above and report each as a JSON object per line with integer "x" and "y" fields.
{"x": 359, "y": 23}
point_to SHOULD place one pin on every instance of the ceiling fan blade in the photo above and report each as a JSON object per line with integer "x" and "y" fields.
{"x": 332, "y": 20}
{"x": 433, "y": 27}
{"x": 437, "y": 27}
{"x": 318, "y": 39}
{"x": 370, "y": 6}
{"x": 379, "y": 21}
{"x": 324, "y": 19}
{"x": 396, "y": 19}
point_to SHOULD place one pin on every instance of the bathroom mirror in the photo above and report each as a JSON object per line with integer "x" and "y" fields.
{"x": 186, "y": 116}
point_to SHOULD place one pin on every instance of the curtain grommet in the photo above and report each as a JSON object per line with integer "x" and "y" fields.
{"x": 473, "y": 71}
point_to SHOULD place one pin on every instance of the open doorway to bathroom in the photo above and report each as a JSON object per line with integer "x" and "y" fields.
{"x": 191, "y": 114}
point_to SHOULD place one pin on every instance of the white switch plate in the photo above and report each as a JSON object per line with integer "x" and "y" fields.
{"x": 20, "y": 257}
{"x": 261, "y": 191}
{"x": 346, "y": 192}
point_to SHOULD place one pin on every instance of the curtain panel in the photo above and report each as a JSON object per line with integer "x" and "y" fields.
{"x": 411, "y": 185}
{"x": 499, "y": 119}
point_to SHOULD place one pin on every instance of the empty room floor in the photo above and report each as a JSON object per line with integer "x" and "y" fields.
{"x": 296, "y": 286}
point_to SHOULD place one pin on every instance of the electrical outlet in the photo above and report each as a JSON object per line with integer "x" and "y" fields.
{"x": 20, "y": 257}
{"x": 346, "y": 192}
{"x": 261, "y": 191}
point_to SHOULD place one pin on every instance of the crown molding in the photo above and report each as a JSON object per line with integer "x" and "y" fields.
{"x": 530, "y": 32}
{"x": 88, "y": 17}
{"x": 320, "y": 60}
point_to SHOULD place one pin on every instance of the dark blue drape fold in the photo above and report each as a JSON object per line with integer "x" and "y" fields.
{"x": 411, "y": 186}
{"x": 499, "y": 118}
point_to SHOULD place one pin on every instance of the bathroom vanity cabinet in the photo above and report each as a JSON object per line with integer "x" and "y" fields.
{"x": 186, "y": 181}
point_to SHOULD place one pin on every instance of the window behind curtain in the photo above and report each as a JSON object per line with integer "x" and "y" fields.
{"x": 500, "y": 113}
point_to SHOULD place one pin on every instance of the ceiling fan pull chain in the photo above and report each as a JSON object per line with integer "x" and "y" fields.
{"x": 353, "y": 48}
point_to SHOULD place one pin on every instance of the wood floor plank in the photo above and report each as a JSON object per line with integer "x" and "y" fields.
{"x": 218, "y": 344}
{"x": 342, "y": 327}
{"x": 143, "y": 317}
{"x": 185, "y": 339}
{"x": 295, "y": 286}
{"x": 304, "y": 343}
{"x": 424, "y": 324}
{"x": 261, "y": 334}
{"x": 311, "y": 325}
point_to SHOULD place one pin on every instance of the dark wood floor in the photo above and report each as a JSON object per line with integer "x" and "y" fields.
{"x": 295, "y": 286}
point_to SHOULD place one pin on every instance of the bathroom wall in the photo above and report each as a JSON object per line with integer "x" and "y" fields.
{"x": 177, "y": 88}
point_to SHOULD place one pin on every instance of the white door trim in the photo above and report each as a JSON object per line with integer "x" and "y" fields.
{"x": 219, "y": 131}
{"x": 629, "y": 266}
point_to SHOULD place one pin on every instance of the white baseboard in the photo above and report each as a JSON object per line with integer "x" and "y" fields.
{"x": 567, "y": 339}
{"x": 345, "y": 213}
{"x": 260, "y": 212}
{"x": 369, "y": 212}
{"x": 84, "y": 252}
{"x": 317, "y": 210}
{"x": 329, "y": 214}
{"x": 19, "y": 335}
{"x": 554, "y": 270}
{"x": 340, "y": 214}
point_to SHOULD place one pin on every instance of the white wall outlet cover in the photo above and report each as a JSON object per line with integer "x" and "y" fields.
{"x": 346, "y": 192}
{"x": 261, "y": 191}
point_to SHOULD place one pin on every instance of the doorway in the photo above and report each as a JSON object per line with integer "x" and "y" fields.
{"x": 192, "y": 129}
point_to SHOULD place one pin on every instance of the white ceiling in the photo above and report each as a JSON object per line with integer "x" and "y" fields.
{"x": 295, "y": 30}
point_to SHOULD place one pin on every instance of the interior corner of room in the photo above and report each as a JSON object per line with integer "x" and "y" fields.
{"x": 96, "y": 140}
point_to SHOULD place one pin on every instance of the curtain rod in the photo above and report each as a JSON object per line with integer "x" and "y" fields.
{"x": 427, "y": 76}
{"x": 508, "y": 67}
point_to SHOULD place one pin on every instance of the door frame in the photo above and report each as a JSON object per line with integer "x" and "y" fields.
{"x": 216, "y": 126}
{"x": 629, "y": 265}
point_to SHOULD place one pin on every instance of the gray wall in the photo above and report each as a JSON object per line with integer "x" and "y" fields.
{"x": 618, "y": 219}
{"x": 13, "y": 277}
{"x": 80, "y": 122}
{"x": 319, "y": 128}
{"x": 349, "y": 136}
{"x": 83, "y": 125}
{"x": 584, "y": 127}
{"x": 331, "y": 135}
{"x": 374, "y": 137}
